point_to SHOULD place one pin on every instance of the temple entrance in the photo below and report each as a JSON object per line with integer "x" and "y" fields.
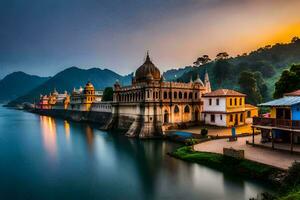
{"x": 166, "y": 117}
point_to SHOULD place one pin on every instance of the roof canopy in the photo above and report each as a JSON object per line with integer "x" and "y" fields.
{"x": 285, "y": 101}
{"x": 224, "y": 93}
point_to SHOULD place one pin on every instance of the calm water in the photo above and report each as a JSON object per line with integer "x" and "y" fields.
{"x": 46, "y": 158}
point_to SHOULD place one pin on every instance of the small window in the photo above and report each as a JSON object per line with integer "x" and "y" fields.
{"x": 230, "y": 101}
{"x": 217, "y": 102}
{"x": 175, "y": 95}
{"x": 241, "y": 117}
{"x": 190, "y": 95}
{"x": 235, "y": 101}
{"x": 212, "y": 118}
{"x": 165, "y": 95}
{"x": 248, "y": 114}
{"x": 221, "y": 117}
{"x": 185, "y": 95}
{"x": 210, "y": 102}
{"x": 180, "y": 95}
{"x": 241, "y": 101}
{"x": 231, "y": 118}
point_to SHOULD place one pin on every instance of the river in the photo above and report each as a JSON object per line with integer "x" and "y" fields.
{"x": 46, "y": 158}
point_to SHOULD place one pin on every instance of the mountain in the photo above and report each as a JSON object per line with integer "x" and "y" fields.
{"x": 72, "y": 77}
{"x": 268, "y": 61}
{"x": 17, "y": 84}
{"x": 173, "y": 74}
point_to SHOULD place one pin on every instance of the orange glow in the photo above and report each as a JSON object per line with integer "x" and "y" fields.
{"x": 67, "y": 130}
{"x": 49, "y": 134}
{"x": 89, "y": 135}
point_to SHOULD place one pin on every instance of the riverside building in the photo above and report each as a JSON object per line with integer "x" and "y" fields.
{"x": 150, "y": 105}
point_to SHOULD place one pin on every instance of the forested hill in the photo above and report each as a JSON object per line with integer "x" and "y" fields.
{"x": 17, "y": 84}
{"x": 72, "y": 77}
{"x": 262, "y": 66}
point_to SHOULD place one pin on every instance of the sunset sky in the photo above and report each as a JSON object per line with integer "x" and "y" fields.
{"x": 45, "y": 37}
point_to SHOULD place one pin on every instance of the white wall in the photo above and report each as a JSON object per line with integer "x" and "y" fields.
{"x": 214, "y": 107}
{"x": 218, "y": 121}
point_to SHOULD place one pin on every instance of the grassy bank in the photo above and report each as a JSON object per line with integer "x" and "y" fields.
{"x": 228, "y": 164}
{"x": 288, "y": 187}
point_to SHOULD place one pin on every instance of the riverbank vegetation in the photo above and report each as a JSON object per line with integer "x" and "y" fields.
{"x": 227, "y": 164}
{"x": 288, "y": 185}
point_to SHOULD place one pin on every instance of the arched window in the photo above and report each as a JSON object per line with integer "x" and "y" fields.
{"x": 185, "y": 95}
{"x": 241, "y": 117}
{"x": 196, "y": 95}
{"x": 175, "y": 95}
{"x": 165, "y": 95}
{"x": 180, "y": 95}
{"x": 186, "y": 109}
{"x": 190, "y": 95}
{"x": 176, "y": 109}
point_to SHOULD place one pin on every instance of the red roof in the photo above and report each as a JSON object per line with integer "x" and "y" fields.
{"x": 224, "y": 93}
{"x": 294, "y": 93}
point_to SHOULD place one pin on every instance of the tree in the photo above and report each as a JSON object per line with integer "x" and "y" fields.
{"x": 248, "y": 85}
{"x": 222, "y": 56}
{"x": 289, "y": 81}
{"x": 295, "y": 39}
{"x": 202, "y": 60}
{"x": 221, "y": 70}
{"x": 262, "y": 86}
{"x": 108, "y": 94}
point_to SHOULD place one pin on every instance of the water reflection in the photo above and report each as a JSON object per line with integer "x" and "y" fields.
{"x": 89, "y": 133}
{"x": 67, "y": 130}
{"x": 48, "y": 128}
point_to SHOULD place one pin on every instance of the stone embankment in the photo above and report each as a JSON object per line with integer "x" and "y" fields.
{"x": 103, "y": 119}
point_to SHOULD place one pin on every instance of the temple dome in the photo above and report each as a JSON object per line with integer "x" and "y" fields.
{"x": 148, "y": 69}
{"x": 89, "y": 86}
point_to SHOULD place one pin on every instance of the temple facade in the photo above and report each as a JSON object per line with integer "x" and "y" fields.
{"x": 151, "y": 105}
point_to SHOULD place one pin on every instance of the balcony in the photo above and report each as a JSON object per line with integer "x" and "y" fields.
{"x": 276, "y": 123}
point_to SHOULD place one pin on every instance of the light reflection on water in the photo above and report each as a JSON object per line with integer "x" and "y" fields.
{"x": 47, "y": 158}
{"x": 48, "y": 128}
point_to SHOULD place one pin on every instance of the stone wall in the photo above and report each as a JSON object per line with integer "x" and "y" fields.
{"x": 101, "y": 118}
{"x": 233, "y": 153}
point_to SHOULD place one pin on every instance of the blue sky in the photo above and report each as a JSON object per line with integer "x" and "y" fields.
{"x": 45, "y": 37}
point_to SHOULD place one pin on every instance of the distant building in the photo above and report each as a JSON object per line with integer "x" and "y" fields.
{"x": 227, "y": 108}
{"x": 82, "y": 99}
{"x": 283, "y": 123}
{"x": 151, "y": 104}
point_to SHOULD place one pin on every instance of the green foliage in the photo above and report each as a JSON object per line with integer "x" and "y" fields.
{"x": 288, "y": 82}
{"x": 192, "y": 141}
{"x": 224, "y": 163}
{"x": 292, "y": 179}
{"x": 108, "y": 94}
{"x": 249, "y": 86}
{"x": 262, "y": 86}
{"x": 292, "y": 195}
{"x": 270, "y": 61}
{"x": 222, "y": 70}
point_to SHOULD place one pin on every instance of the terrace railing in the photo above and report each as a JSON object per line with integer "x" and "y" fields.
{"x": 272, "y": 122}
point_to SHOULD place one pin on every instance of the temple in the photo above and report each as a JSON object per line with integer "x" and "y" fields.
{"x": 151, "y": 105}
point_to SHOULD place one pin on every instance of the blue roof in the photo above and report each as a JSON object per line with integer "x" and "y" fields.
{"x": 285, "y": 101}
